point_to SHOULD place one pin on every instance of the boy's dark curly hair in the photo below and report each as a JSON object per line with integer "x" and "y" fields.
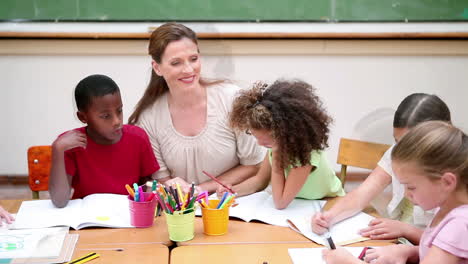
{"x": 291, "y": 111}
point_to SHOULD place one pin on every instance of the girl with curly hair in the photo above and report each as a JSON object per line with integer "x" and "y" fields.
{"x": 288, "y": 118}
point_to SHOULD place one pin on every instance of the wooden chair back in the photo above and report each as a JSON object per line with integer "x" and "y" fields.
{"x": 39, "y": 162}
{"x": 359, "y": 154}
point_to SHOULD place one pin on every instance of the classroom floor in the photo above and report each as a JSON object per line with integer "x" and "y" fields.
{"x": 18, "y": 191}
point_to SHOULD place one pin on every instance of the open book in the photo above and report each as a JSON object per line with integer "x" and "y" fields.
{"x": 314, "y": 255}
{"x": 260, "y": 206}
{"x": 342, "y": 233}
{"x": 102, "y": 210}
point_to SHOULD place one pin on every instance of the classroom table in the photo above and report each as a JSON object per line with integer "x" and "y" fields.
{"x": 246, "y": 253}
{"x": 124, "y": 253}
{"x": 155, "y": 234}
{"x": 125, "y": 245}
{"x": 240, "y": 232}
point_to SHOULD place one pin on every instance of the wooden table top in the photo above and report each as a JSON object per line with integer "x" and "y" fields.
{"x": 124, "y": 253}
{"x": 155, "y": 234}
{"x": 231, "y": 254}
{"x": 240, "y": 232}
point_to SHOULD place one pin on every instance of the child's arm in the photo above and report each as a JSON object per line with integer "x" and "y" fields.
{"x": 233, "y": 176}
{"x": 384, "y": 228}
{"x": 284, "y": 190}
{"x": 352, "y": 202}
{"x": 436, "y": 255}
{"x": 253, "y": 184}
{"x": 59, "y": 180}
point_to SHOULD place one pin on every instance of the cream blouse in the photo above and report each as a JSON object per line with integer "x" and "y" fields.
{"x": 216, "y": 149}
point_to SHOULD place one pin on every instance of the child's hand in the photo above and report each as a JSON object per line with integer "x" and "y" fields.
{"x": 221, "y": 190}
{"x": 383, "y": 228}
{"x": 394, "y": 254}
{"x": 321, "y": 222}
{"x": 5, "y": 216}
{"x": 69, "y": 140}
{"x": 339, "y": 256}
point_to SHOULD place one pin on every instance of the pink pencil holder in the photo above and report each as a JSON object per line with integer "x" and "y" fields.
{"x": 142, "y": 213}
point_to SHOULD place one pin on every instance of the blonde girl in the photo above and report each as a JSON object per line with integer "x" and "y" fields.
{"x": 431, "y": 161}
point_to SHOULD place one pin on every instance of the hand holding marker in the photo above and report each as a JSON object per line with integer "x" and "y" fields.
{"x": 327, "y": 235}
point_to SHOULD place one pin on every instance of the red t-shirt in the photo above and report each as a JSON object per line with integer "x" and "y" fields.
{"x": 107, "y": 168}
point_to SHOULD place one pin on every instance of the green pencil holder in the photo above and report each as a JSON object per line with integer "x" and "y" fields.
{"x": 181, "y": 227}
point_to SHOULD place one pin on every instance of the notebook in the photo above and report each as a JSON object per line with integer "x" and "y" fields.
{"x": 96, "y": 210}
{"x": 342, "y": 233}
{"x": 36, "y": 246}
{"x": 66, "y": 254}
{"x": 260, "y": 206}
{"x": 314, "y": 255}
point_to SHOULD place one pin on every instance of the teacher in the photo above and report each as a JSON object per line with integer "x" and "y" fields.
{"x": 186, "y": 117}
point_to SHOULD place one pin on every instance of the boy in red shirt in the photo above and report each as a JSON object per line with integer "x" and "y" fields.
{"x": 104, "y": 155}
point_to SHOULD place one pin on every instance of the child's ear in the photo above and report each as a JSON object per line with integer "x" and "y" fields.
{"x": 449, "y": 181}
{"x": 82, "y": 117}
{"x": 156, "y": 68}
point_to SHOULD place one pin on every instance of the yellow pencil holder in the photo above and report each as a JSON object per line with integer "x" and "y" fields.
{"x": 181, "y": 227}
{"x": 215, "y": 221}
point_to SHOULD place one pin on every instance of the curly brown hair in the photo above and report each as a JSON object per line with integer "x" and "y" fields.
{"x": 292, "y": 111}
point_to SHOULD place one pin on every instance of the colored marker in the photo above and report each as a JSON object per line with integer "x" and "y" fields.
{"x": 222, "y": 200}
{"x": 363, "y": 253}
{"x": 142, "y": 194}
{"x": 181, "y": 195}
{"x": 153, "y": 187}
{"x": 226, "y": 202}
{"x": 130, "y": 190}
{"x": 150, "y": 197}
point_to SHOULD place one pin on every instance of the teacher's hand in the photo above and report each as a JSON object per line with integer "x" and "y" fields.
{"x": 185, "y": 186}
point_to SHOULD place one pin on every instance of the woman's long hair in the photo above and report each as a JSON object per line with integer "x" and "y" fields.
{"x": 159, "y": 40}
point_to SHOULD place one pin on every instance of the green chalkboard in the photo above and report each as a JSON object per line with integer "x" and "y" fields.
{"x": 234, "y": 10}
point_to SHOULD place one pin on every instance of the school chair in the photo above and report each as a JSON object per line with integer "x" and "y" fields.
{"x": 39, "y": 161}
{"x": 359, "y": 154}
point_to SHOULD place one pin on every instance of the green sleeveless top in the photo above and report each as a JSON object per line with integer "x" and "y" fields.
{"x": 321, "y": 182}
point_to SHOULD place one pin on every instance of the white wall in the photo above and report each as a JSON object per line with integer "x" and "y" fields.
{"x": 359, "y": 86}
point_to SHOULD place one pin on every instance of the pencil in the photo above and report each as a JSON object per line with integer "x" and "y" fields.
{"x": 218, "y": 181}
{"x": 84, "y": 259}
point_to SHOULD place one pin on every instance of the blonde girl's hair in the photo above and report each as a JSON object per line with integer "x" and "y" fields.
{"x": 437, "y": 147}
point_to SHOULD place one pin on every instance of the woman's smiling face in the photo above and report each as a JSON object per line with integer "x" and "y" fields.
{"x": 180, "y": 65}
